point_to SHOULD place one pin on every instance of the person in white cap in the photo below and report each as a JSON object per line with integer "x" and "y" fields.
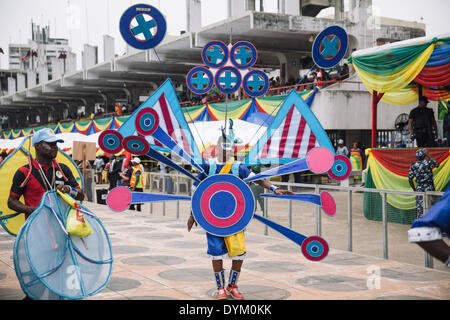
{"x": 341, "y": 149}
{"x": 44, "y": 173}
{"x": 137, "y": 179}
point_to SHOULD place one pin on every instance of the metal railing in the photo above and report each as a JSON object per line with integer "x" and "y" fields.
{"x": 428, "y": 260}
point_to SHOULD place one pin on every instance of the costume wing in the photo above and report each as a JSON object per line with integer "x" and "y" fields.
{"x": 52, "y": 264}
{"x": 10, "y": 220}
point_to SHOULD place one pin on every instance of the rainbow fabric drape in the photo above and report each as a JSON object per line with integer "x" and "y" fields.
{"x": 389, "y": 170}
{"x": 397, "y": 69}
{"x": 239, "y": 109}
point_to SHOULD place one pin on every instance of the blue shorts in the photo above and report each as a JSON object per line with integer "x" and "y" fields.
{"x": 217, "y": 248}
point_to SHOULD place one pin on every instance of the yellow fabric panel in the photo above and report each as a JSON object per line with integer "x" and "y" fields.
{"x": 401, "y": 97}
{"x": 397, "y": 80}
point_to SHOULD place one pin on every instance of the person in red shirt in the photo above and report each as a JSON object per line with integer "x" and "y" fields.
{"x": 43, "y": 174}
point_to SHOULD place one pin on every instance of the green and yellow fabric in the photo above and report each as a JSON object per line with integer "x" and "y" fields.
{"x": 396, "y": 69}
{"x": 389, "y": 170}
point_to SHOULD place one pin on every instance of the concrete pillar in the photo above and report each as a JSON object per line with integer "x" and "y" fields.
{"x": 360, "y": 13}
{"x": 43, "y": 73}
{"x": 31, "y": 78}
{"x": 290, "y": 65}
{"x": 11, "y": 85}
{"x": 20, "y": 82}
{"x": 57, "y": 67}
{"x": 108, "y": 48}
{"x": 293, "y": 7}
{"x": 71, "y": 62}
{"x": 236, "y": 7}
{"x": 89, "y": 56}
{"x": 289, "y": 7}
{"x": 193, "y": 15}
{"x": 339, "y": 10}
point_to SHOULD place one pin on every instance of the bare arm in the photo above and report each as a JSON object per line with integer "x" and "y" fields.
{"x": 266, "y": 184}
{"x": 15, "y": 204}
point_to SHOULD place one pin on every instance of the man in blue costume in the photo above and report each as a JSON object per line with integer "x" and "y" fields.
{"x": 233, "y": 246}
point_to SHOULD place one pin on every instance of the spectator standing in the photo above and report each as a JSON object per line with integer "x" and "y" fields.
{"x": 98, "y": 166}
{"x": 341, "y": 149}
{"x": 422, "y": 125}
{"x": 422, "y": 170}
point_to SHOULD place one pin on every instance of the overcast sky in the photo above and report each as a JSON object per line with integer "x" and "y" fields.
{"x": 86, "y": 21}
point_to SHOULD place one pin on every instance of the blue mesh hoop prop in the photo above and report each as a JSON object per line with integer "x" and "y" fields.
{"x": 53, "y": 265}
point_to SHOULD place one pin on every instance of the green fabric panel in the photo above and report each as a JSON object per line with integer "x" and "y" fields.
{"x": 372, "y": 206}
{"x": 102, "y": 121}
{"x": 232, "y": 105}
{"x": 66, "y": 125}
{"x": 389, "y": 61}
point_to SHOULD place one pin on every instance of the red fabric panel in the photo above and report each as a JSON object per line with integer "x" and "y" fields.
{"x": 434, "y": 76}
{"x": 398, "y": 161}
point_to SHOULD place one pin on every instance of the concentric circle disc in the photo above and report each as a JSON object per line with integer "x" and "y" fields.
{"x": 199, "y": 80}
{"x": 223, "y": 204}
{"x": 228, "y": 79}
{"x": 243, "y": 54}
{"x": 255, "y": 83}
{"x": 215, "y": 54}
{"x": 147, "y": 121}
{"x": 341, "y": 168}
{"x": 136, "y": 145}
{"x": 110, "y": 141}
{"x": 315, "y": 248}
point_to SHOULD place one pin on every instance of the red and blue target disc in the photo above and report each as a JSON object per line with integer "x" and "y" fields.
{"x": 341, "y": 168}
{"x": 147, "y": 121}
{"x": 136, "y": 145}
{"x": 315, "y": 248}
{"x": 110, "y": 141}
{"x": 223, "y": 205}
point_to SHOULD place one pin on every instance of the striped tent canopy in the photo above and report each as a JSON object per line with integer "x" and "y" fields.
{"x": 292, "y": 137}
{"x": 398, "y": 69}
{"x": 247, "y": 110}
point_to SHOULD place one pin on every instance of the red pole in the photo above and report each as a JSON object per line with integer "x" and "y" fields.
{"x": 376, "y": 97}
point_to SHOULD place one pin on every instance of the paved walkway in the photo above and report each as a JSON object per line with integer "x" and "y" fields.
{"x": 156, "y": 258}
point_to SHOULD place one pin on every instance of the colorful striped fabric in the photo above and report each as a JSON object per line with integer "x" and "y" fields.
{"x": 389, "y": 170}
{"x": 398, "y": 68}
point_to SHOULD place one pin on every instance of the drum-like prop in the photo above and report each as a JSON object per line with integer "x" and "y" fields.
{"x": 223, "y": 205}
{"x": 110, "y": 141}
{"x": 136, "y": 145}
{"x": 51, "y": 264}
{"x": 341, "y": 169}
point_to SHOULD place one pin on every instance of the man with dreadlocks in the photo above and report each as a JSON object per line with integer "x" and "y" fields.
{"x": 234, "y": 245}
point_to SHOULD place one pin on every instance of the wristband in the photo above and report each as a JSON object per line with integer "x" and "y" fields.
{"x": 273, "y": 188}
{"x": 73, "y": 191}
